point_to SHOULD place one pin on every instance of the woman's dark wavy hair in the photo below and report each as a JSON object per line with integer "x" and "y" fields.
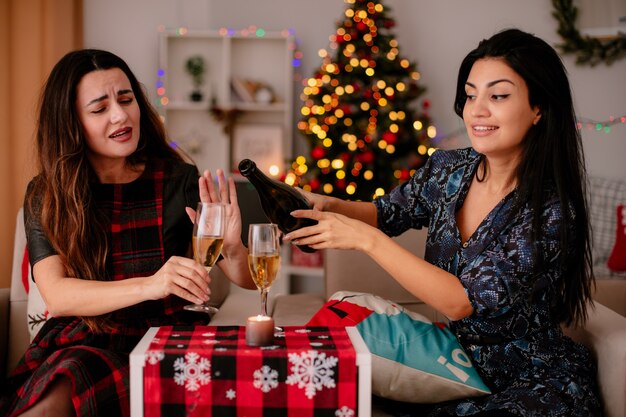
{"x": 552, "y": 160}
{"x": 61, "y": 194}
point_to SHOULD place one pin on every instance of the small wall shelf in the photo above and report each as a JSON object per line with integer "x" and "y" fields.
{"x": 266, "y": 59}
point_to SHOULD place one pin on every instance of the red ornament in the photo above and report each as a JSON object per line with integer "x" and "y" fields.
{"x": 341, "y": 184}
{"x": 404, "y": 175}
{"x": 390, "y": 137}
{"x": 415, "y": 160}
{"x": 426, "y": 104}
{"x": 362, "y": 27}
{"x": 366, "y": 157}
{"x": 389, "y": 23}
{"x": 318, "y": 152}
{"x": 314, "y": 184}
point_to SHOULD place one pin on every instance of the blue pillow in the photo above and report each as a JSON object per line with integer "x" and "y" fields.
{"x": 413, "y": 359}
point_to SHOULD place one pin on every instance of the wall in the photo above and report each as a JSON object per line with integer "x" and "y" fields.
{"x": 436, "y": 34}
{"x": 6, "y": 185}
{"x": 34, "y": 34}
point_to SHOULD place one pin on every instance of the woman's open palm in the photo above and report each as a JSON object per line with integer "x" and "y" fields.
{"x": 225, "y": 193}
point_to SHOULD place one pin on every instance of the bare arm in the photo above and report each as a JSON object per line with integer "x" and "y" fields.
{"x": 69, "y": 296}
{"x": 180, "y": 276}
{"x": 359, "y": 210}
{"x": 435, "y": 286}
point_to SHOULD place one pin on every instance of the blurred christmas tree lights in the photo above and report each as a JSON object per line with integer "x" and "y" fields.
{"x": 364, "y": 136}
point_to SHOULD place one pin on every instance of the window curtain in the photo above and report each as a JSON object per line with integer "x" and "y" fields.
{"x": 34, "y": 35}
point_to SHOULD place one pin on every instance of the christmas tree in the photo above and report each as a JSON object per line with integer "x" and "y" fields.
{"x": 364, "y": 135}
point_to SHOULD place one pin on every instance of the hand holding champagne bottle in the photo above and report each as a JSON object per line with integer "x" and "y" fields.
{"x": 278, "y": 200}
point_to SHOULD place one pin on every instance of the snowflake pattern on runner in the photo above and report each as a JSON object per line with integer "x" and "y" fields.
{"x": 271, "y": 347}
{"x": 265, "y": 378}
{"x": 153, "y": 357}
{"x": 344, "y": 411}
{"x": 193, "y": 371}
{"x": 231, "y": 394}
{"x": 312, "y": 371}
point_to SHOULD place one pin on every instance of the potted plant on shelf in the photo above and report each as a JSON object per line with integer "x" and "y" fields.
{"x": 195, "y": 68}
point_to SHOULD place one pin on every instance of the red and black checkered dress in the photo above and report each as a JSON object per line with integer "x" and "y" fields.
{"x": 148, "y": 224}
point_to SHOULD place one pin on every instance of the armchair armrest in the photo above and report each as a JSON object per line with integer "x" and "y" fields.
{"x": 4, "y": 329}
{"x": 605, "y": 334}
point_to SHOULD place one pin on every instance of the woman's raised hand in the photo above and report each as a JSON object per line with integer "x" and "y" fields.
{"x": 226, "y": 193}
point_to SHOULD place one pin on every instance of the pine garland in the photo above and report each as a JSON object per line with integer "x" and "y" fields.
{"x": 588, "y": 50}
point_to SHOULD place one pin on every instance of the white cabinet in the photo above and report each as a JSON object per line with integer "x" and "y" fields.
{"x": 296, "y": 278}
{"x": 262, "y": 57}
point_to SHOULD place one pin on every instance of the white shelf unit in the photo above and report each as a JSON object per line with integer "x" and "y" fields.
{"x": 190, "y": 124}
{"x": 311, "y": 278}
{"x": 288, "y": 268}
{"x": 267, "y": 59}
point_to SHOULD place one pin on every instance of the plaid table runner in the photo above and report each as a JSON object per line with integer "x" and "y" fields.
{"x": 210, "y": 371}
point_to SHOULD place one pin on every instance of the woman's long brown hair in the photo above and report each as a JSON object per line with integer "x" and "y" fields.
{"x": 61, "y": 194}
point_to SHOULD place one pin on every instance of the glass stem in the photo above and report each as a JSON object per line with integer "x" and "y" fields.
{"x": 208, "y": 269}
{"x": 264, "y": 302}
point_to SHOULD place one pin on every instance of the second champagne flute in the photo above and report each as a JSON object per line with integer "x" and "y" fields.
{"x": 207, "y": 241}
{"x": 263, "y": 258}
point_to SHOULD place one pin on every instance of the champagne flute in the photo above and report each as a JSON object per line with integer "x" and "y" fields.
{"x": 207, "y": 241}
{"x": 263, "y": 257}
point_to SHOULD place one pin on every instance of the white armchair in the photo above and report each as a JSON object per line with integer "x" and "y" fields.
{"x": 604, "y": 332}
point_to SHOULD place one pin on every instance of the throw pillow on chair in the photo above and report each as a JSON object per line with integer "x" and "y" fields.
{"x": 413, "y": 359}
{"x": 617, "y": 259}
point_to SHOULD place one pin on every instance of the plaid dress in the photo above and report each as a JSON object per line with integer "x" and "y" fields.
{"x": 147, "y": 225}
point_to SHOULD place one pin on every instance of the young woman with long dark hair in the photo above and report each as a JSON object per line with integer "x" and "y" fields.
{"x": 109, "y": 235}
{"x": 508, "y": 255}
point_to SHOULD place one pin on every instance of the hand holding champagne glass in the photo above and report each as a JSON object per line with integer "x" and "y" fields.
{"x": 207, "y": 241}
{"x": 263, "y": 258}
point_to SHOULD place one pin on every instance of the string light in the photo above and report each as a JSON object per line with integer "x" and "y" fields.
{"x": 600, "y": 126}
{"x": 161, "y": 89}
{"x": 603, "y": 126}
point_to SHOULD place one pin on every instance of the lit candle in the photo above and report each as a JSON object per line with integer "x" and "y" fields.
{"x": 259, "y": 331}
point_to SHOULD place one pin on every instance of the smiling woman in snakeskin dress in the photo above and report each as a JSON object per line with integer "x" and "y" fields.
{"x": 508, "y": 250}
